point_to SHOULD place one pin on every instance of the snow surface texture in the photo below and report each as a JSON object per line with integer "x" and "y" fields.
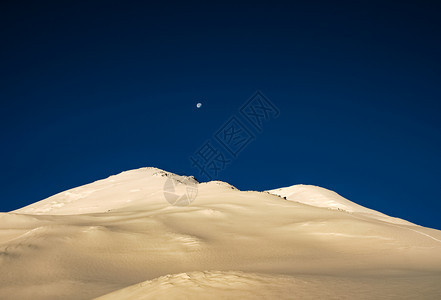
{"x": 118, "y": 238}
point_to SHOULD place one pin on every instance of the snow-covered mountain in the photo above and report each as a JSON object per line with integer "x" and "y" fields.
{"x": 120, "y": 238}
{"x": 321, "y": 197}
{"x": 134, "y": 188}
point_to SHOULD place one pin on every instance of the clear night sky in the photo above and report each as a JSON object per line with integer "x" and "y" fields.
{"x": 91, "y": 89}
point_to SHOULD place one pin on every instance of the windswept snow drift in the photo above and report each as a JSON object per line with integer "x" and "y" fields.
{"x": 119, "y": 238}
{"x": 240, "y": 285}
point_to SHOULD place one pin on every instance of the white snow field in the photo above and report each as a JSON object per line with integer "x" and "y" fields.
{"x": 119, "y": 238}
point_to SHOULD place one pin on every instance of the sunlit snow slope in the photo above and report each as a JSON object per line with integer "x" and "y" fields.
{"x": 119, "y": 238}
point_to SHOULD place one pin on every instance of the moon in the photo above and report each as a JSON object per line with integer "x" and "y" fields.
{"x": 199, "y": 105}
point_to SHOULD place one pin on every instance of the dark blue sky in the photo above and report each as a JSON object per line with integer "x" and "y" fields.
{"x": 91, "y": 89}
